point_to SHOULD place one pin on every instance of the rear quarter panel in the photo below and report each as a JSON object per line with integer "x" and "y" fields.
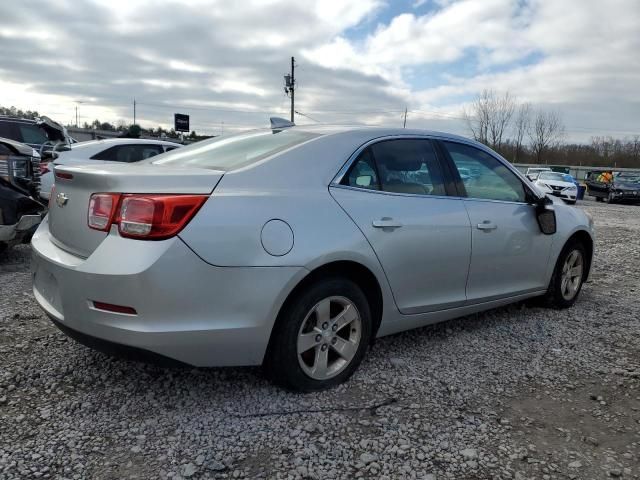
{"x": 293, "y": 188}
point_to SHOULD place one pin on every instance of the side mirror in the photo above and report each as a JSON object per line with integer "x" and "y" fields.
{"x": 546, "y": 216}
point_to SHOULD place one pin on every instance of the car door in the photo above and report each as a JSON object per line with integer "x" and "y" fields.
{"x": 509, "y": 252}
{"x": 396, "y": 192}
{"x": 593, "y": 184}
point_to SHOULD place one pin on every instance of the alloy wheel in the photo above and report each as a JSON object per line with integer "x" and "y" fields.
{"x": 329, "y": 337}
{"x": 572, "y": 275}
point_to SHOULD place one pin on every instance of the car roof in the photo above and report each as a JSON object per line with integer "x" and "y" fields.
{"x": 108, "y": 142}
{"x": 374, "y": 131}
{"x": 9, "y": 118}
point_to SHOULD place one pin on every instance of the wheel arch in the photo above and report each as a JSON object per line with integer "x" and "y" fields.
{"x": 586, "y": 240}
{"x": 354, "y": 271}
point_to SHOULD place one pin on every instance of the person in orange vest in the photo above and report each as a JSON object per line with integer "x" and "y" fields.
{"x": 605, "y": 177}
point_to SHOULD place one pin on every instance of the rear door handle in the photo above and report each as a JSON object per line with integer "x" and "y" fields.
{"x": 386, "y": 222}
{"x": 487, "y": 225}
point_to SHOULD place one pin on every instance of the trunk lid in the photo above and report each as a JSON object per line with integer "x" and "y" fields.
{"x": 69, "y": 205}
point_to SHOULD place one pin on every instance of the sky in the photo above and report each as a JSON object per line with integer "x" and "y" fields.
{"x": 357, "y": 61}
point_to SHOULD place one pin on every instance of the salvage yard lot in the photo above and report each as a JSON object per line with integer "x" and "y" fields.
{"x": 517, "y": 392}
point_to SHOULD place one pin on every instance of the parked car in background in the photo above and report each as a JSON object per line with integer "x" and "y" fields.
{"x": 20, "y": 212}
{"x": 554, "y": 183}
{"x": 614, "y": 186}
{"x": 295, "y": 247}
{"x": 533, "y": 172}
{"x": 43, "y": 134}
{"x": 571, "y": 178}
{"x": 123, "y": 150}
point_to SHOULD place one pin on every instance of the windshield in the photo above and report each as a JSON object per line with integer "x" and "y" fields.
{"x": 558, "y": 177}
{"x": 231, "y": 152}
{"x": 628, "y": 177}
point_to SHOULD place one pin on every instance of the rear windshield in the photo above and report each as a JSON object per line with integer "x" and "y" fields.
{"x": 228, "y": 153}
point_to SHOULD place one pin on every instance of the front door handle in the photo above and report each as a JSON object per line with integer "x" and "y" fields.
{"x": 487, "y": 225}
{"x": 386, "y": 222}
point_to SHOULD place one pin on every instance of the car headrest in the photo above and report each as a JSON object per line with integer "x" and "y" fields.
{"x": 396, "y": 164}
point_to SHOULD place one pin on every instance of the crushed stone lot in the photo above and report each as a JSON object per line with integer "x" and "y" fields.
{"x": 518, "y": 392}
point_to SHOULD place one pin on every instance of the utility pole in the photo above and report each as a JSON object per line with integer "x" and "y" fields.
{"x": 290, "y": 86}
{"x": 134, "y": 111}
{"x": 293, "y": 87}
{"x": 76, "y": 116}
{"x": 404, "y": 124}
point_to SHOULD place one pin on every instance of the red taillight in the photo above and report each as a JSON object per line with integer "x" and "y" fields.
{"x": 150, "y": 217}
{"x": 102, "y": 210}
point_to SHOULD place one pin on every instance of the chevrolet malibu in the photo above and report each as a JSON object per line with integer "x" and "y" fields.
{"x": 293, "y": 248}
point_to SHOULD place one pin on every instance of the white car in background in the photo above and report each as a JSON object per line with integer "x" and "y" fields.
{"x": 554, "y": 183}
{"x": 123, "y": 150}
{"x": 533, "y": 172}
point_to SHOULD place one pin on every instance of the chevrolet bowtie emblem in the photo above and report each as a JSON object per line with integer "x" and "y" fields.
{"x": 62, "y": 199}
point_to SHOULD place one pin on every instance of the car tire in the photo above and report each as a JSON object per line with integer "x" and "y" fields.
{"x": 337, "y": 314}
{"x": 610, "y": 198}
{"x": 599, "y": 199}
{"x": 3, "y": 247}
{"x": 568, "y": 276}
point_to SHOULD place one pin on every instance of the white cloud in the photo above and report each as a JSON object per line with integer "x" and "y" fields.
{"x": 231, "y": 55}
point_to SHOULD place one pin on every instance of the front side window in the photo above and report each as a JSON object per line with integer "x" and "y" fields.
{"x": 487, "y": 177}
{"x": 398, "y": 166}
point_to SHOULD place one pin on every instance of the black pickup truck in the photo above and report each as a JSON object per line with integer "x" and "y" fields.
{"x": 622, "y": 187}
{"x": 20, "y": 212}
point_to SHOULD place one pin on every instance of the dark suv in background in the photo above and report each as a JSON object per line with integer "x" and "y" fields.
{"x": 20, "y": 211}
{"x": 616, "y": 187}
{"x": 43, "y": 134}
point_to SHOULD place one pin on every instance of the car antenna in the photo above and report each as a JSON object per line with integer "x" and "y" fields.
{"x": 278, "y": 123}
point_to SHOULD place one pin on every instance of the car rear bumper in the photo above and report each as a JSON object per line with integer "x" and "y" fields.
{"x": 186, "y": 309}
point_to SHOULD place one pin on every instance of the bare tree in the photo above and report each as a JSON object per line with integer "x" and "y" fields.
{"x": 489, "y": 117}
{"x": 521, "y": 126}
{"x": 478, "y": 117}
{"x": 545, "y": 131}
{"x": 501, "y": 112}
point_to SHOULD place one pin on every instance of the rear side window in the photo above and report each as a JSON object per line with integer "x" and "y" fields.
{"x": 32, "y": 134}
{"x": 399, "y": 166}
{"x": 487, "y": 177}
{"x": 128, "y": 153}
{"x": 227, "y": 153}
{"x": 6, "y": 131}
{"x": 363, "y": 172}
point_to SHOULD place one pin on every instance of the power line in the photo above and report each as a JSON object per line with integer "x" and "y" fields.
{"x": 309, "y": 117}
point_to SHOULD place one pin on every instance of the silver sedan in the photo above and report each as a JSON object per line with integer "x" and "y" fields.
{"x": 294, "y": 248}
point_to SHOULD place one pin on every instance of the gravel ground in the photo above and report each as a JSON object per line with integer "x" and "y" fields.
{"x": 518, "y": 392}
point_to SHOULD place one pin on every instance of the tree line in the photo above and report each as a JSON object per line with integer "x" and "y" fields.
{"x": 524, "y": 134}
{"x": 122, "y": 127}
